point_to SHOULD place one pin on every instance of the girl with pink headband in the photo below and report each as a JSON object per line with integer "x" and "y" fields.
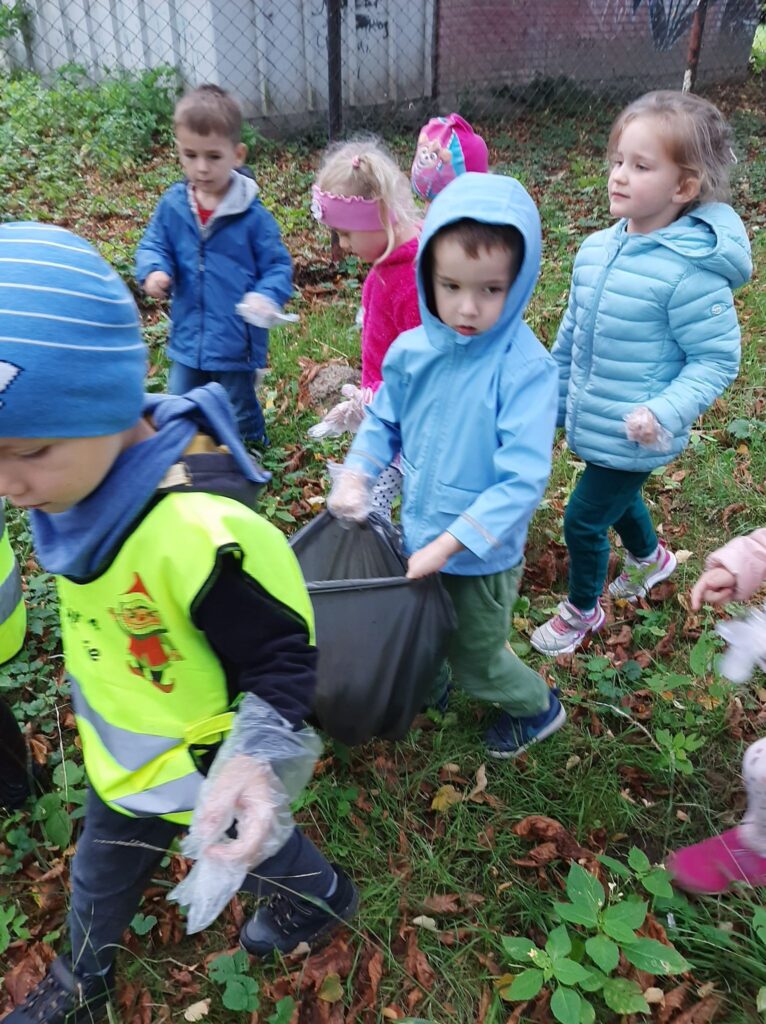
{"x": 361, "y": 193}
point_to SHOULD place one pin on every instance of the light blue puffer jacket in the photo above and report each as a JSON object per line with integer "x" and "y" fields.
{"x": 473, "y": 417}
{"x": 651, "y": 322}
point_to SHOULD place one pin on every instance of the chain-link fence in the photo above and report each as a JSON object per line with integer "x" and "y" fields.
{"x": 298, "y": 64}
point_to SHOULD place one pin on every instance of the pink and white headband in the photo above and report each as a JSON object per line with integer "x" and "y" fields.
{"x": 346, "y": 213}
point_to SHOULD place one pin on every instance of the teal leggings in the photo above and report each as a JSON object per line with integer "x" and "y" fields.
{"x": 603, "y": 498}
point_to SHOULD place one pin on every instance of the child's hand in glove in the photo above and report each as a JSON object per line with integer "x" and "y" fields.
{"x": 643, "y": 427}
{"x": 244, "y": 791}
{"x": 350, "y": 497}
{"x": 345, "y": 416}
{"x": 261, "y": 311}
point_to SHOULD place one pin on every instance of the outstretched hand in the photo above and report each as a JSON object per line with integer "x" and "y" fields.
{"x": 715, "y": 586}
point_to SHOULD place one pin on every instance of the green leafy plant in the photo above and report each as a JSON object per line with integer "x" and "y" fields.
{"x": 240, "y": 991}
{"x": 12, "y": 925}
{"x": 142, "y": 924}
{"x": 283, "y": 1011}
{"x": 675, "y": 750}
{"x": 582, "y": 962}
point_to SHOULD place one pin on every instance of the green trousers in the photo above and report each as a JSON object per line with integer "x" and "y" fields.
{"x": 481, "y": 662}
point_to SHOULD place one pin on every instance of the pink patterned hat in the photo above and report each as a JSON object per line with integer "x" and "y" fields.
{"x": 447, "y": 147}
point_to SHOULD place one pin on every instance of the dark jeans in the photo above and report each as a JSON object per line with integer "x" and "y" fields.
{"x": 108, "y": 878}
{"x": 603, "y": 498}
{"x": 239, "y": 386}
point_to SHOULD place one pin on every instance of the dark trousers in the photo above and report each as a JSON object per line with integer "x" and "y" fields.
{"x": 603, "y": 498}
{"x": 108, "y": 877}
{"x": 239, "y": 386}
{"x": 13, "y": 751}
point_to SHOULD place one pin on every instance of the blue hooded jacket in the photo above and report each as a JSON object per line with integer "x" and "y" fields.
{"x": 651, "y": 321}
{"x": 473, "y": 416}
{"x": 238, "y": 250}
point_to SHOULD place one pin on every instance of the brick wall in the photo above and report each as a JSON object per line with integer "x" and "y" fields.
{"x": 491, "y": 43}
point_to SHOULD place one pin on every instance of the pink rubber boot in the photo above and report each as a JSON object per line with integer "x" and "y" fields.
{"x": 715, "y": 864}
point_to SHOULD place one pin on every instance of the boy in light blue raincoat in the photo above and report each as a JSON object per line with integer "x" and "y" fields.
{"x": 470, "y": 399}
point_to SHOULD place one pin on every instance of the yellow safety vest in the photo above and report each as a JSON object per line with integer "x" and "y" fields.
{"x": 13, "y": 614}
{"x": 146, "y": 685}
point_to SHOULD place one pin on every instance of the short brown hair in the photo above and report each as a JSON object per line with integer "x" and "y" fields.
{"x": 209, "y": 110}
{"x": 471, "y": 235}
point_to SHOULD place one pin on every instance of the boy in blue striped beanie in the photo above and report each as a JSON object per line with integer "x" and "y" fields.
{"x": 178, "y": 604}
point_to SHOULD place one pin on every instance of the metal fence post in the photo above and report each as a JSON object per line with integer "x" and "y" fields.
{"x": 695, "y": 45}
{"x": 334, "y": 90}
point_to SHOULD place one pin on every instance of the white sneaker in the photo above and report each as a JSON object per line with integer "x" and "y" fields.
{"x": 639, "y": 575}
{"x": 566, "y": 631}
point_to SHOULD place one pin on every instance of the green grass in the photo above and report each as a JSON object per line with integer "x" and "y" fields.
{"x": 607, "y": 778}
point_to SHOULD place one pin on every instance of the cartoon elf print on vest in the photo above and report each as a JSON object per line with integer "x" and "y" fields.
{"x": 150, "y": 650}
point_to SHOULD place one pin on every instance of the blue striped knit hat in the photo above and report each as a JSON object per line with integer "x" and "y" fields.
{"x": 72, "y": 361}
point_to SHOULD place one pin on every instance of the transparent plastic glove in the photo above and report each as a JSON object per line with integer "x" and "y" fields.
{"x": 260, "y": 768}
{"x": 158, "y": 284}
{"x": 261, "y": 311}
{"x": 351, "y": 494}
{"x": 346, "y": 415}
{"x": 747, "y": 646}
{"x": 642, "y": 426}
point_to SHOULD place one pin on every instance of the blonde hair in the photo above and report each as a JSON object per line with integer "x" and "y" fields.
{"x": 364, "y": 167}
{"x": 696, "y": 135}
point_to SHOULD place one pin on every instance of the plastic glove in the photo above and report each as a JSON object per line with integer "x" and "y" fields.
{"x": 157, "y": 284}
{"x": 747, "y": 646}
{"x": 346, "y": 415}
{"x": 351, "y": 494}
{"x": 261, "y": 311}
{"x": 243, "y": 792}
{"x": 260, "y": 768}
{"x": 642, "y": 426}
{"x": 433, "y": 556}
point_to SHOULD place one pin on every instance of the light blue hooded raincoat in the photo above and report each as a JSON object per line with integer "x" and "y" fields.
{"x": 473, "y": 417}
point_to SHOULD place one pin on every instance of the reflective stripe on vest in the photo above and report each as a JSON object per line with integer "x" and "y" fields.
{"x": 147, "y": 687}
{"x": 132, "y": 750}
{"x": 168, "y": 798}
{"x": 13, "y": 616}
{"x": 10, "y": 594}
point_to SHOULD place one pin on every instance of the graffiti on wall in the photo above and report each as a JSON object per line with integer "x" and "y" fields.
{"x": 669, "y": 20}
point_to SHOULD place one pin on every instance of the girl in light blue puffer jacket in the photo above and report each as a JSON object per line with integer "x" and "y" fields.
{"x": 650, "y": 339}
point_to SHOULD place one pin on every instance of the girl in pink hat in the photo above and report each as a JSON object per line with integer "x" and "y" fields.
{"x": 361, "y": 193}
{"x": 733, "y": 573}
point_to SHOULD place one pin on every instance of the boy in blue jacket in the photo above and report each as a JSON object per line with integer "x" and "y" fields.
{"x": 213, "y": 244}
{"x": 470, "y": 399}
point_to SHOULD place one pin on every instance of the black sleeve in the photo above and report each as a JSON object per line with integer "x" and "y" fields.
{"x": 263, "y": 644}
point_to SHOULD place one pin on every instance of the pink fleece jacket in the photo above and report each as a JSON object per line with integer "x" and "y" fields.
{"x": 390, "y": 304}
{"x": 745, "y": 558}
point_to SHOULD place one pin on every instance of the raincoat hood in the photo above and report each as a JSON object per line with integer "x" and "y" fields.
{"x": 712, "y": 236}
{"x": 490, "y": 199}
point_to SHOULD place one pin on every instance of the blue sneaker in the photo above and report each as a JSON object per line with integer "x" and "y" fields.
{"x": 510, "y": 736}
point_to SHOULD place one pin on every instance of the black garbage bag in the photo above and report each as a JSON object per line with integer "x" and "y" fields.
{"x": 381, "y": 637}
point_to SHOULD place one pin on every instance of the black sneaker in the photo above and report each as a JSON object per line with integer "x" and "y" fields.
{"x": 63, "y": 998}
{"x": 285, "y": 920}
{"x": 14, "y": 795}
